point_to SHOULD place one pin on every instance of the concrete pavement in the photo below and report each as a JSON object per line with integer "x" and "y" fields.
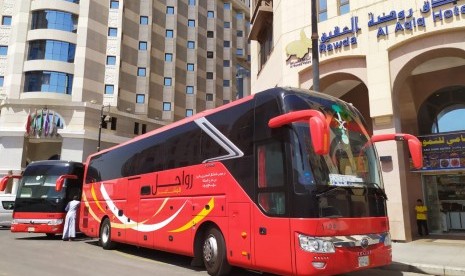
{"x": 433, "y": 255}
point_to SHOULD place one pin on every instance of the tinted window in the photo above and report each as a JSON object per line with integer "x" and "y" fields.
{"x": 51, "y": 50}
{"x": 58, "y": 20}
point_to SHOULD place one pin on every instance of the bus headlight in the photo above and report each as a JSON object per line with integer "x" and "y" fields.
{"x": 387, "y": 239}
{"x": 312, "y": 244}
{"x": 55, "y": 222}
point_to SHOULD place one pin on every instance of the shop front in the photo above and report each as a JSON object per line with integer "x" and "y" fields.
{"x": 443, "y": 178}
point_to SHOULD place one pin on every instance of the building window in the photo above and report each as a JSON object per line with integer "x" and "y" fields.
{"x": 144, "y": 20}
{"x": 109, "y": 89}
{"x": 6, "y": 20}
{"x": 51, "y": 50}
{"x": 191, "y": 23}
{"x": 114, "y": 4}
{"x": 226, "y": 63}
{"x": 57, "y": 20}
{"x": 189, "y": 112}
{"x": 239, "y": 16}
{"x": 191, "y": 2}
{"x": 209, "y": 75}
{"x": 344, "y": 7}
{"x": 111, "y": 60}
{"x": 166, "y": 106}
{"x": 239, "y": 52}
{"x": 189, "y": 90}
{"x": 114, "y": 120}
{"x": 169, "y": 10}
{"x": 210, "y": 14}
{"x": 210, "y": 34}
{"x": 48, "y": 81}
{"x": 140, "y": 98}
{"x": 266, "y": 46}
{"x": 210, "y": 54}
{"x": 226, "y": 43}
{"x": 143, "y": 45}
{"x": 136, "y": 128}
{"x": 3, "y": 50}
{"x": 112, "y": 31}
{"x": 239, "y": 34}
{"x": 226, "y": 83}
{"x": 190, "y": 67}
{"x": 168, "y": 57}
{"x": 322, "y": 10}
{"x": 2, "y": 79}
{"x": 141, "y": 71}
{"x": 227, "y": 24}
{"x": 169, "y": 33}
{"x": 144, "y": 128}
{"x": 227, "y": 6}
{"x": 190, "y": 44}
{"x": 167, "y": 82}
{"x": 209, "y": 97}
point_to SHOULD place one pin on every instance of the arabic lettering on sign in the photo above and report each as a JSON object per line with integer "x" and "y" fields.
{"x": 443, "y": 151}
{"x": 326, "y": 46}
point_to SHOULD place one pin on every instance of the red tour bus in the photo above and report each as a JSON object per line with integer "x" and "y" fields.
{"x": 285, "y": 181}
{"x": 44, "y": 190}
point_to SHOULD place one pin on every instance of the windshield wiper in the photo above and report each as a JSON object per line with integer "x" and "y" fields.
{"x": 329, "y": 190}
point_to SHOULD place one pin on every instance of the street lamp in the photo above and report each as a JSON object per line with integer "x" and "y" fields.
{"x": 315, "y": 53}
{"x": 103, "y": 118}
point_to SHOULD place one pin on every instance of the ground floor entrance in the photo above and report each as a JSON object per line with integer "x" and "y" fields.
{"x": 445, "y": 199}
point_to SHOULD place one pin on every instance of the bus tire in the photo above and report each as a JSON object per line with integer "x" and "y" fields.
{"x": 214, "y": 253}
{"x": 105, "y": 235}
{"x": 50, "y": 235}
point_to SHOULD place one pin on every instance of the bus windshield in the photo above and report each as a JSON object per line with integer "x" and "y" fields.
{"x": 38, "y": 182}
{"x": 348, "y": 177}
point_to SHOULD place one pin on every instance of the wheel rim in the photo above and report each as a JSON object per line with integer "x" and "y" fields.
{"x": 105, "y": 233}
{"x": 210, "y": 249}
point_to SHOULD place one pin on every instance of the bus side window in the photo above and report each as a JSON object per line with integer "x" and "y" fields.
{"x": 271, "y": 178}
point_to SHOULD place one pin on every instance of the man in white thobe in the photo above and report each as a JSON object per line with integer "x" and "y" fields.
{"x": 69, "y": 231}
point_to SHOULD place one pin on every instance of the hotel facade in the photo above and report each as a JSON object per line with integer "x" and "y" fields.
{"x": 402, "y": 64}
{"x": 77, "y": 75}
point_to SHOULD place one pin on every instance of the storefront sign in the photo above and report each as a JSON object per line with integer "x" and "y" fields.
{"x": 443, "y": 151}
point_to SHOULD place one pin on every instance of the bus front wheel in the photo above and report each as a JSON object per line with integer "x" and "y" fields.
{"x": 105, "y": 235}
{"x": 214, "y": 253}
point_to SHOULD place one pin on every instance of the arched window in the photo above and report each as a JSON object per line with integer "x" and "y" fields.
{"x": 450, "y": 119}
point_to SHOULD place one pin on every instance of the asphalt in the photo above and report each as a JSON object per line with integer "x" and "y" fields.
{"x": 432, "y": 255}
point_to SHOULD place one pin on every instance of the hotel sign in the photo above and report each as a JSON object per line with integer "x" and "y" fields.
{"x": 443, "y": 151}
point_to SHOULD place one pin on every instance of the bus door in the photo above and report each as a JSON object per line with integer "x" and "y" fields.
{"x": 239, "y": 233}
{"x": 132, "y": 209}
{"x": 271, "y": 225}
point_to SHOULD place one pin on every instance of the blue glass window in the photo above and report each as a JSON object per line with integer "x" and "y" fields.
{"x": 227, "y": 44}
{"x": 112, "y": 31}
{"x": 51, "y": 50}
{"x": 141, "y": 71}
{"x": 190, "y": 44}
{"x": 169, "y": 33}
{"x": 114, "y": 4}
{"x": 227, "y": 6}
{"x": 239, "y": 16}
{"x": 143, "y": 45}
{"x": 227, "y": 24}
{"x": 48, "y": 81}
{"x": 322, "y": 10}
{"x": 189, "y": 90}
{"x": 2, "y": 79}
{"x": 189, "y": 112}
{"x": 168, "y": 57}
{"x": 209, "y": 97}
{"x": 167, "y": 82}
{"x": 57, "y": 20}
{"x": 3, "y": 50}
{"x": 144, "y": 20}
{"x": 210, "y": 14}
{"x": 73, "y": 1}
{"x": 166, "y": 106}
{"x": 239, "y": 52}
{"x": 111, "y": 60}
{"x": 226, "y": 63}
{"x": 6, "y": 20}
{"x": 191, "y": 23}
{"x": 109, "y": 89}
{"x": 190, "y": 67}
{"x": 140, "y": 98}
{"x": 169, "y": 10}
{"x": 344, "y": 7}
{"x": 226, "y": 83}
{"x": 191, "y": 2}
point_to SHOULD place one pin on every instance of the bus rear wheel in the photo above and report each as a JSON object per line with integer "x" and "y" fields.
{"x": 214, "y": 253}
{"x": 105, "y": 235}
{"x": 50, "y": 235}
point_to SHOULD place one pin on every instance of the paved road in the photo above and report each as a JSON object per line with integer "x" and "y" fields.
{"x": 34, "y": 254}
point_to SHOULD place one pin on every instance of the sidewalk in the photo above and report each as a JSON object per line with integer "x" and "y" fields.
{"x": 434, "y": 255}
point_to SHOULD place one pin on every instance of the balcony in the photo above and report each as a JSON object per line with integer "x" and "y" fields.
{"x": 262, "y": 17}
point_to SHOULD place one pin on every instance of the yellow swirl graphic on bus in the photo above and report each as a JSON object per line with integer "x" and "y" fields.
{"x": 197, "y": 218}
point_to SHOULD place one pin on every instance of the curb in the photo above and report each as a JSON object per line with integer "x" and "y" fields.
{"x": 429, "y": 269}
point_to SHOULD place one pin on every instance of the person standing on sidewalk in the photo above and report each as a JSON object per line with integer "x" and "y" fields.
{"x": 422, "y": 224}
{"x": 69, "y": 231}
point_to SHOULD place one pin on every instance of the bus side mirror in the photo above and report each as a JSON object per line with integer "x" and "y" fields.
{"x": 5, "y": 180}
{"x": 61, "y": 180}
{"x": 319, "y": 129}
{"x": 414, "y": 145}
